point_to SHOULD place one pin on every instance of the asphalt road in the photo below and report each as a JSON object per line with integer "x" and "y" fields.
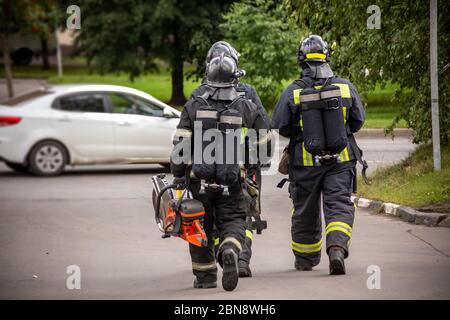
{"x": 100, "y": 219}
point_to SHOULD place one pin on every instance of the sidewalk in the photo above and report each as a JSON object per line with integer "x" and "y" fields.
{"x": 20, "y": 86}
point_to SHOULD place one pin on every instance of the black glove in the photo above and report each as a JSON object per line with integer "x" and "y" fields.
{"x": 179, "y": 180}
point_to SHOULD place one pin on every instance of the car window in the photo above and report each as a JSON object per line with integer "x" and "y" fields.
{"x": 129, "y": 104}
{"x": 86, "y": 102}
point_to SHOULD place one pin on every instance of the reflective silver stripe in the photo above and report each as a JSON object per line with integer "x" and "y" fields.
{"x": 266, "y": 138}
{"x": 204, "y": 266}
{"x": 231, "y": 119}
{"x": 330, "y": 94}
{"x": 207, "y": 114}
{"x": 233, "y": 241}
{"x": 185, "y": 133}
{"x": 310, "y": 97}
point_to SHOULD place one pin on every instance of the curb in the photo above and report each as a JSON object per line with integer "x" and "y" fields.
{"x": 407, "y": 214}
{"x": 379, "y": 133}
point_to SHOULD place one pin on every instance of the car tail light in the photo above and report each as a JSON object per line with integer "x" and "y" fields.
{"x": 9, "y": 120}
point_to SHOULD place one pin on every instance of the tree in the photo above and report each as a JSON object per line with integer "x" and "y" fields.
{"x": 127, "y": 35}
{"x": 267, "y": 39}
{"x": 398, "y": 52}
{"x": 10, "y": 21}
{"x": 267, "y": 34}
{"x": 23, "y": 16}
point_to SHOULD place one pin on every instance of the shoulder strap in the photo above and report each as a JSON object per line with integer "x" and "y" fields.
{"x": 302, "y": 83}
{"x": 203, "y": 98}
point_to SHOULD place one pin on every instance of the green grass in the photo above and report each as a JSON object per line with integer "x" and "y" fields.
{"x": 380, "y": 110}
{"x": 413, "y": 182}
{"x": 158, "y": 85}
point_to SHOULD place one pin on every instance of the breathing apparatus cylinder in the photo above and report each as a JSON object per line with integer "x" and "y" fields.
{"x": 312, "y": 122}
{"x": 323, "y": 120}
{"x": 333, "y": 120}
{"x": 203, "y": 166}
{"x": 229, "y": 153}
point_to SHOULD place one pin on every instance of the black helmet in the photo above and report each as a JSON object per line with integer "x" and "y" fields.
{"x": 221, "y": 72}
{"x": 222, "y": 47}
{"x": 313, "y": 48}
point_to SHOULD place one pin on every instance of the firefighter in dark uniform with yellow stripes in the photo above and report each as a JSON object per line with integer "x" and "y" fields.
{"x": 319, "y": 113}
{"x": 201, "y": 154}
{"x": 254, "y": 171}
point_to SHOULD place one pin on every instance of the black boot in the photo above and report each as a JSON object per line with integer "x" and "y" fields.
{"x": 337, "y": 265}
{"x": 244, "y": 269}
{"x": 204, "y": 285}
{"x": 302, "y": 266}
{"x": 230, "y": 276}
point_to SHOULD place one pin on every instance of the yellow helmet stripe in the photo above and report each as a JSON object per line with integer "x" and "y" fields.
{"x": 316, "y": 56}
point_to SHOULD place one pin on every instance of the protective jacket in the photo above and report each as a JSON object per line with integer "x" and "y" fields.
{"x": 326, "y": 187}
{"x": 244, "y": 90}
{"x": 287, "y": 116}
{"x": 253, "y": 117}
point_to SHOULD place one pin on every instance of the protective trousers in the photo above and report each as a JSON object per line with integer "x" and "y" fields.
{"x": 246, "y": 253}
{"x": 335, "y": 184}
{"x": 227, "y": 213}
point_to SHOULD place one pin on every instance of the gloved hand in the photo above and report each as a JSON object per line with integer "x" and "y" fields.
{"x": 179, "y": 180}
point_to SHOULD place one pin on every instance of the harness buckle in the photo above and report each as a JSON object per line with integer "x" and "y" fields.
{"x": 327, "y": 158}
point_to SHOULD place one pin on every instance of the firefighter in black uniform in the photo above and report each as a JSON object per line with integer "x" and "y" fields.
{"x": 218, "y": 183}
{"x": 319, "y": 113}
{"x": 253, "y": 171}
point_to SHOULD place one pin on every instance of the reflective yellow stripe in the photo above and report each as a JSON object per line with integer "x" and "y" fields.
{"x": 339, "y": 226}
{"x": 339, "y": 223}
{"x": 216, "y": 241}
{"x": 345, "y": 89}
{"x": 340, "y": 229}
{"x": 316, "y": 56}
{"x": 204, "y": 266}
{"x": 233, "y": 241}
{"x": 344, "y": 111}
{"x": 244, "y": 131}
{"x": 347, "y": 157}
{"x": 293, "y": 211}
{"x": 296, "y": 93}
{"x": 307, "y": 157}
{"x": 306, "y": 248}
{"x": 183, "y": 133}
{"x": 265, "y": 139}
{"x": 249, "y": 234}
{"x": 344, "y": 155}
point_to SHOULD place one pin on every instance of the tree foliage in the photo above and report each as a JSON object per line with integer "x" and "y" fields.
{"x": 267, "y": 34}
{"x": 398, "y": 52}
{"x": 267, "y": 40}
{"x": 127, "y": 35}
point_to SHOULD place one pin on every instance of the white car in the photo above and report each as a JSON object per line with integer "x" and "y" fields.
{"x": 45, "y": 130}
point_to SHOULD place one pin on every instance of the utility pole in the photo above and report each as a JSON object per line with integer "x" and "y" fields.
{"x": 58, "y": 53}
{"x": 434, "y": 85}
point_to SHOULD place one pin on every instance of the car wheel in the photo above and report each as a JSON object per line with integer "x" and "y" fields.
{"x": 48, "y": 158}
{"x": 22, "y": 56}
{"x": 17, "y": 167}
